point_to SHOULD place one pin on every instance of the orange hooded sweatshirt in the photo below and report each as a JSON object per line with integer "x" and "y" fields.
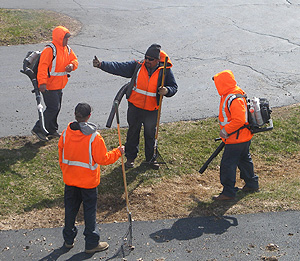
{"x": 80, "y": 155}
{"x": 64, "y": 56}
{"x": 237, "y": 116}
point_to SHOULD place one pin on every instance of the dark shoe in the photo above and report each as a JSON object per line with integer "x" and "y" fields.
{"x": 69, "y": 246}
{"x": 53, "y": 135}
{"x": 250, "y": 190}
{"x": 154, "y": 165}
{"x": 129, "y": 164}
{"x": 101, "y": 247}
{"x": 222, "y": 197}
{"x": 39, "y": 135}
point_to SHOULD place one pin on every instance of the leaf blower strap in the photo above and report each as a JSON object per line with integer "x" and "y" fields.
{"x": 132, "y": 81}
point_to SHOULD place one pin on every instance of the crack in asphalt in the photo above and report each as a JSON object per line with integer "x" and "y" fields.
{"x": 264, "y": 34}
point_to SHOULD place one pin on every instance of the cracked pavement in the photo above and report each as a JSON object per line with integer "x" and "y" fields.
{"x": 258, "y": 41}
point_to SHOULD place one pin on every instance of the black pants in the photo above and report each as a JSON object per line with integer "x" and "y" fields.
{"x": 136, "y": 118}
{"x": 237, "y": 156}
{"x": 52, "y": 100}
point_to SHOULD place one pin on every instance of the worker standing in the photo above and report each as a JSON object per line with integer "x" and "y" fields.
{"x": 81, "y": 152}
{"x": 57, "y": 60}
{"x": 143, "y": 98}
{"x": 237, "y": 139}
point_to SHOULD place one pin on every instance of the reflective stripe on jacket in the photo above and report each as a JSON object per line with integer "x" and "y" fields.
{"x": 232, "y": 110}
{"x": 64, "y": 56}
{"x": 80, "y": 157}
{"x": 89, "y": 165}
{"x": 144, "y": 92}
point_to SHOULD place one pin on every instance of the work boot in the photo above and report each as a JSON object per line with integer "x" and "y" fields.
{"x": 53, "y": 135}
{"x": 222, "y": 197}
{"x": 69, "y": 246}
{"x": 101, "y": 247}
{"x": 154, "y": 165}
{"x": 129, "y": 164}
{"x": 39, "y": 135}
{"x": 249, "y": 190}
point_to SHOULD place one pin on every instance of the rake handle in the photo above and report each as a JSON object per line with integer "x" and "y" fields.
{"x": 116, "y": 103}
{"x": 161, "y": 96}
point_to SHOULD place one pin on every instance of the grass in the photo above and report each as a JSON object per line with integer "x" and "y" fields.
{"x": 31, "y": 178}
{"x": 30, "y": 26}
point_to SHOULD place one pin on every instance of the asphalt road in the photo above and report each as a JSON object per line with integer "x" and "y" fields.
{"x": 241, "y": 237}
{"x": 259, "y": 41}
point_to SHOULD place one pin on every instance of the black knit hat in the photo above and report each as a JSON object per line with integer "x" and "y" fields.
{"x": 154, "y": 51}
{"x": 82, "y": 110}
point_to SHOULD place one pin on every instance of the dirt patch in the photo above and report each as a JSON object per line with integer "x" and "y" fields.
{"x": 177, "y": 197}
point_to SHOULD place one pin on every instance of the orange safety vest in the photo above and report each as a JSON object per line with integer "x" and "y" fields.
{"x": 64, "y": 55}
{"x": 232, "y": 116}
{"x": 80, "y": 156}
{"x": 144, "y": 92}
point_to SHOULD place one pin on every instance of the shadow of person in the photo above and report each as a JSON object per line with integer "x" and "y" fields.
{"x": 56, "y": 254}
{"x": 214, "y": 222}
{"x": 190, "y": 228}
{"x": 111, "y": 188}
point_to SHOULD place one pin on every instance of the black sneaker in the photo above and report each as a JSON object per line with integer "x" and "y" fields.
{"x": 53, "y": 135}
{"x": 39, "y": 135}
{"x": 154, "y": 165}
{"x": 129, "y": 164}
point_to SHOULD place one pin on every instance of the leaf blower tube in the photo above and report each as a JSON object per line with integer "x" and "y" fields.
{"x": 32, "y": 76}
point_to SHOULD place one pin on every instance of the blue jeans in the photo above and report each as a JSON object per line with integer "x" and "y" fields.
{"x": 137, "y": 117}
{"x": 73, "y": 198}
{"x": 237, "y": 155}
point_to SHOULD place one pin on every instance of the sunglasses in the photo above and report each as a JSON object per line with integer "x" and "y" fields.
{"x": 149, "y": 58}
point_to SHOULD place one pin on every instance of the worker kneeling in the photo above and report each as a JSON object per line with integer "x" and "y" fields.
{"x": 81, "y": 152}
{"x": 237, "y": 139}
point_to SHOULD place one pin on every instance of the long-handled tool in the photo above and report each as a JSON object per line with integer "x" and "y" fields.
{"x": 215, "y": 154}
{"x": 128, "y": 236}
{"x": 156, "y": 154}
{"x": 27, "y": 69}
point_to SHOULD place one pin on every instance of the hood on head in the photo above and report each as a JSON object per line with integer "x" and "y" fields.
{"x": 225, "y": 82}
{"x": 58, "y": 35}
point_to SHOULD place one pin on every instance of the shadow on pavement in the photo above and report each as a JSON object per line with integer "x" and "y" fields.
{"x": 194, "y": 226}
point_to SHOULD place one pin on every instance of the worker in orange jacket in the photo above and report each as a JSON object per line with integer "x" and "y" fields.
{"x": 232, "y": 118}
{"x": 57, "y": 60}
{"x": 143, "y": 98}
{"x": 81, "y": 152}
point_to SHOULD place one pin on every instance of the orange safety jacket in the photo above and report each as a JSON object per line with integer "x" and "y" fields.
{"x": 64, "y": 56}
{"x": 233, "y": 112}
{"x": 144, "y": 92}
{"x": 80, "y": 157}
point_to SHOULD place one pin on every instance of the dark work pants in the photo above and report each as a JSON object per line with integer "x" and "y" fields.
{"x": 52, "y": 100}
{"x": 237, "y": 155}
{"x": 73, "y": 198}
{"x": 137, "y": 117}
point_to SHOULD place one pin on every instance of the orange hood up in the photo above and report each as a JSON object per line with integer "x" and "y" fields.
{"x": 58, "y": 35}
{"x": 225, "y": 83}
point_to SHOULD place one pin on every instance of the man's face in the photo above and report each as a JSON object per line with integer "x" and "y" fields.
{"x": 151, "y": 62}
{"x": 65, "y": 41}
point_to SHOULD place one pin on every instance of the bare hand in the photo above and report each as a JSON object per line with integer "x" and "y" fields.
{"x": 121, "y": 149}
{"x": 163, "y": 90}
{"x": 43, "y": 88}
{"x": 69, "y": 67}
{"x": 96, "y": 62}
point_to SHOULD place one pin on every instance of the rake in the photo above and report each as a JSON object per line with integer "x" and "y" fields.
{"x": 156, "y": 155}
{"x": 127, "y": 238}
